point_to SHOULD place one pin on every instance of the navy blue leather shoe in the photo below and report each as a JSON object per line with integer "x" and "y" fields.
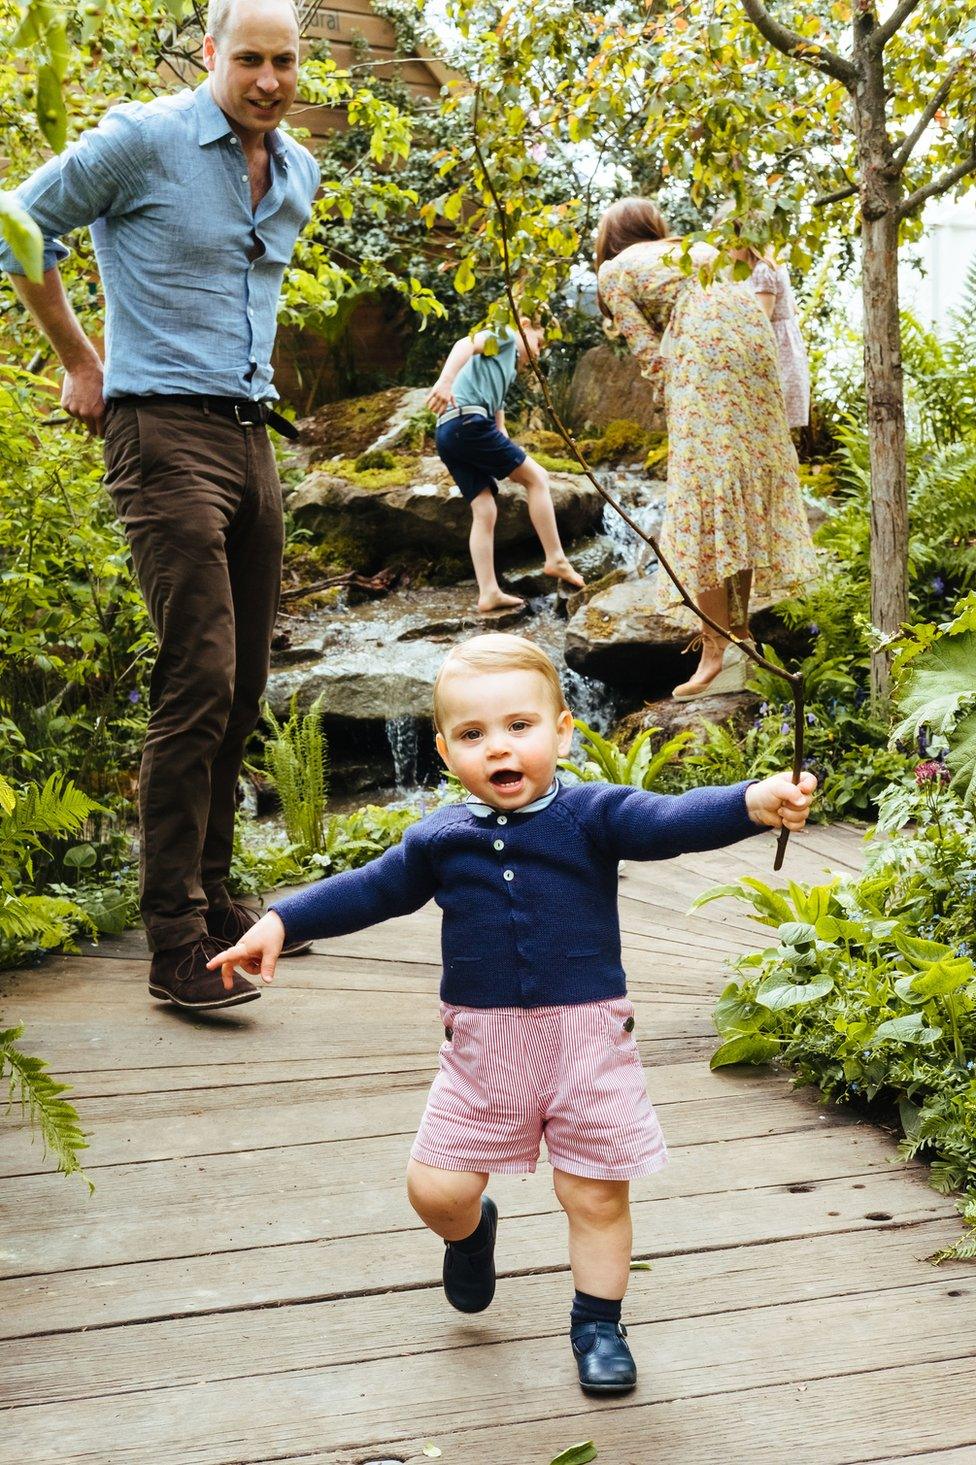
{"x": 469, "y": 1277}
{"x": 605, "y": 1362}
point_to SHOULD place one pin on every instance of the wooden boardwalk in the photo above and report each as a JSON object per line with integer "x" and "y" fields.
{"x": 249, "y": 1284}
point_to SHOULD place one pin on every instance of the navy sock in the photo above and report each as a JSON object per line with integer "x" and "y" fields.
{"x": 589, "y": 1309}
{"x": 480, "y": 1236}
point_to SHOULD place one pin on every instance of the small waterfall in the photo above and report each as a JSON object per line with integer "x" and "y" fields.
{"x": 643, "y": 498}
{"x": 401, "y": 734}
{"x": 592, "y": 702}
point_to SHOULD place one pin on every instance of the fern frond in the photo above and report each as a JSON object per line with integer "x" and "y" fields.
{"x": 41, "y": 1101}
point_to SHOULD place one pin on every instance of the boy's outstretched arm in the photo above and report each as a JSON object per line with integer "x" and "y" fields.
{"x": 440, "y": 396}
{"x": 633, "y": 824}
{"x": 400, "y": 881}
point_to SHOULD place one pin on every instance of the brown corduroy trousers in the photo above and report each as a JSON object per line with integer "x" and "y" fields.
{"x": 200, "y": 501}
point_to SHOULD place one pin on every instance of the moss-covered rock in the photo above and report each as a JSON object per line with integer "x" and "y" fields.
{"x": 354, "y": 426}
{"x": 427, "y": 514}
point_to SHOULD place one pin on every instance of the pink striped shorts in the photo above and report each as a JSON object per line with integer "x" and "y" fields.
{"x": 511, "y": 1076}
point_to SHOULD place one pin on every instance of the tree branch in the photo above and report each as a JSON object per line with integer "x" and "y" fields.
{"x": 880, "y": 37}
{"x": 792, "y": 44}
{"x": 906, "y": 149}
{"x": 840, "y": 193}
{"x": 938, "y": 185}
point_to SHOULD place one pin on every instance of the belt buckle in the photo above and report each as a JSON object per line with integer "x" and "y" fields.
{"x": 241, "y": 421}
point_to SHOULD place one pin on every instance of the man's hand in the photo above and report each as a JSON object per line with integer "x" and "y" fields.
{"x": 257, "y": 951}
{"x": 81, "y": 395}
{"x": 778, "y": 802}
{"x": 440, "y": 397}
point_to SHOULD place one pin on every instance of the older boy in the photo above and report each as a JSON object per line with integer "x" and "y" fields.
{"x": 539, "y": 1031}
{"x": 469, "y": 398}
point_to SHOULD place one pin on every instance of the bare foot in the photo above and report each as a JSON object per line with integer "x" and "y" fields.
{"x": 499, "y": 601}
{"x": 561, "y": 569}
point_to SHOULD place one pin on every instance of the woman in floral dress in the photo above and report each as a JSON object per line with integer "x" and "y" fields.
{"x": 735, "y": 524}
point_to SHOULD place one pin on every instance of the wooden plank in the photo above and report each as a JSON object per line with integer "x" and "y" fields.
{"x": 349, "y": 1187}
{"x": 478, "y": 1375}
{"x": 170, "y": 1353}
{"x": 833, "y": 1421}
{"x": 135, "y": 1128}
{"x": 258, "y": 1275}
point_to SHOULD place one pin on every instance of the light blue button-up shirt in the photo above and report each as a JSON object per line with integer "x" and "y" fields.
{"x": 191, "y": 273}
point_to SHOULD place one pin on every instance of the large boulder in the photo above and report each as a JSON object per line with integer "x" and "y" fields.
{"x": 606, "y": 387}
{"x": 429, "y": 514}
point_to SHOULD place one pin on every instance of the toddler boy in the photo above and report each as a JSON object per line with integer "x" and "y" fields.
{"x": 538, "y": 1028}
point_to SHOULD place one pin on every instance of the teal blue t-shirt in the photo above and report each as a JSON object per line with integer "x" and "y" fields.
{"x": 484, "y": 380}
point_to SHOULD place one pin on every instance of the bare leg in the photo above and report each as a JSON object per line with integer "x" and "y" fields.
{"x": 447, "y": 1201}
{"x": 535, "y": 481}
{"x": 600, "y": 1232}
{"x": 481, "y": 543}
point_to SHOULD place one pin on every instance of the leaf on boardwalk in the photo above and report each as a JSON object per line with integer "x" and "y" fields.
{"x": 640, "y": 1266}
{"x": 431, "y": 1451}
{"x": 576, "y": 1454}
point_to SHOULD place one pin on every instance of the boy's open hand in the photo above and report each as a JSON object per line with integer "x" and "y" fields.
{"x": 440, "y": 398}
{"x": 778, "y": 801}
{"x": 256, "y": 953}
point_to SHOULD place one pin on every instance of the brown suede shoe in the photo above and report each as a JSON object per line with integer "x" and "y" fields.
{"x": 179, "y": 975}
{"x": 228, "y": 923}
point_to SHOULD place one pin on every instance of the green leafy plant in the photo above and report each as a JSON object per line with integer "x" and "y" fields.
{"x": 41, "y": 1100}
{"x": 640, "y": 765}
{"x": 347, "y": 841}
{"x": 31, "y": 922}
{"x": 869, "y": 991}
{"x": 296, "y": 761}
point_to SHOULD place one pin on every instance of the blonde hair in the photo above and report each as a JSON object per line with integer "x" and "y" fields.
{"x": 496, "y": 652}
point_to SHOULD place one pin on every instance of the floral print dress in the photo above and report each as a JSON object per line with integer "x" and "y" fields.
{"x": 794, "y": 369}
{"x": 733, "y": 500}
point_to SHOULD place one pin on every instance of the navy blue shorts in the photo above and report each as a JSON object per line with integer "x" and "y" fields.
{"x": 476, "y": 453}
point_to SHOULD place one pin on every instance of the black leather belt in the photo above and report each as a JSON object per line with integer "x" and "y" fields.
{"x": 242, "y": 410}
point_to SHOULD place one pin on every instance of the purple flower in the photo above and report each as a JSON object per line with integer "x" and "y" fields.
{"x": 811, "y": 718}
{"x": 938, "y": 585}
{"x": 813, "y": 628}
{"x": 931, "y": 772}
{"x": 134, "y": 697}
{"x": 784, "y": 727}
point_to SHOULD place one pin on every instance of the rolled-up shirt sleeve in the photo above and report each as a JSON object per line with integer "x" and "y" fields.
{"x": 103, "y": 173}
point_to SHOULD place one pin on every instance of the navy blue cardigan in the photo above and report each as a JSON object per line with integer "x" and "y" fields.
{"x": 529, "y": 899}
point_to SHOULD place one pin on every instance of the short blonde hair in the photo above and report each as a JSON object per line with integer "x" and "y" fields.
{"x": 496, "y": 652}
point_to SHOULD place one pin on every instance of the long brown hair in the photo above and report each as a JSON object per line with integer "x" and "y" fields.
{"x": 628, "y": 221}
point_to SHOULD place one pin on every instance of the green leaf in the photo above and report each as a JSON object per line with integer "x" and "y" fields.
{"x": 719, "y": 892}
{"x": 51, "y": 114}
{"x": 23, "y": 236}
{"x": 777, "y": 994}
{"x": 751, "y": 1049}
{"x": 464, "y": 277}
{"x": 920, "y": 953}
{"x": 944, "y": 977}
{"x": 908, "y": 1029}
{"x": 640, "y": 1266}
{"x": 576, "y": 1454}
{"x": 797, "y": 933}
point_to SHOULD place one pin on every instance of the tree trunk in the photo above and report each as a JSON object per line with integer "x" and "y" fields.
{"x": 884, "y": 386}
{"x": 886, "y": 438}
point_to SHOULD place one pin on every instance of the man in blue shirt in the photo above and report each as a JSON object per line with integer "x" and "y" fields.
{"x": 195, "y": 201}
